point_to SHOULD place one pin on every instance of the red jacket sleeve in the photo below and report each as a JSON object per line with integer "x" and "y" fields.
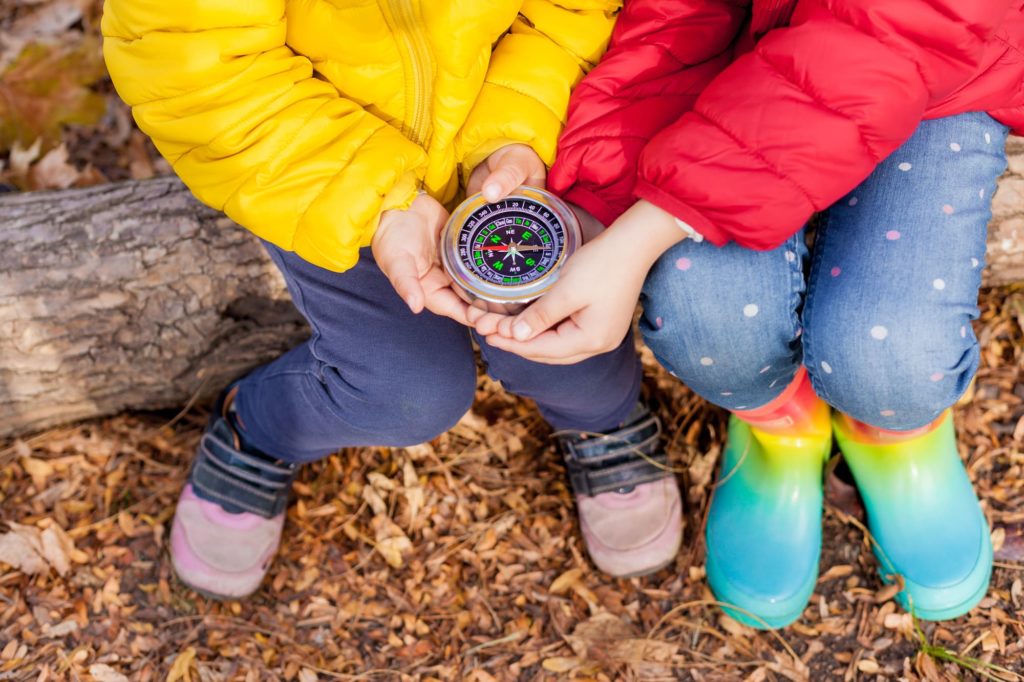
{"x": 661, "y": 56}
{"x": 791, "y": 127}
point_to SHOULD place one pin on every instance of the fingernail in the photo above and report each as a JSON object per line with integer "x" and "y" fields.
{"x": 492, "y": 190}
{"x": 521, "y": 331}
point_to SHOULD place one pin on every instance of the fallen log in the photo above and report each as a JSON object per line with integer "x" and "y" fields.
{"x": 135, "y": 296}
{"x": 128, "y": 296}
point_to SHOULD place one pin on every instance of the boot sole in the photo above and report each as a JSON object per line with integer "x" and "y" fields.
{"x": 754, "y": 612}
{"x": 982, "y": 573}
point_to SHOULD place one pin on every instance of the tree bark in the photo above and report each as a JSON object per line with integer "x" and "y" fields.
{"x": 128, "y": 296}
{"x": 1005, "y": 255}
{"x": 135, "y": 296}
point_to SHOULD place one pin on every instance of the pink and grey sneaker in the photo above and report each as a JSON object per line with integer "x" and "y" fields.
{"x": 630, "y": 510}
{"x": 228, "y": 523}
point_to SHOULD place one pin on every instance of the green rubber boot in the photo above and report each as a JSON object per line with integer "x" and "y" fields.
{"x": 764, "y": 524}
{"x": 923, "y": 514}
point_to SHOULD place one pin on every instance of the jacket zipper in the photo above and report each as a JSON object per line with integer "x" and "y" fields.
{"x": 418, "y": 88}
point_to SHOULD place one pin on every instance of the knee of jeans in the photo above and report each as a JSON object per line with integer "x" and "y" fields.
{"x": 421, "y": 405}
{"x": 892, "y": 383}
{"x": 723, "y": 361}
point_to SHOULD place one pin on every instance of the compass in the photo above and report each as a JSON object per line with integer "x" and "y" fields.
{"x": 511, "y": 251}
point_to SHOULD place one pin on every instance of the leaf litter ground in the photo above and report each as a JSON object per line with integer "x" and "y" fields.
{"x": 461, "y": 560}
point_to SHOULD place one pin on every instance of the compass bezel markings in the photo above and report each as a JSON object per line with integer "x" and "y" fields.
{"x": 511, "y": 215}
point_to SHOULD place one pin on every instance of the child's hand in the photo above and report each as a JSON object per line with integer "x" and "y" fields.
{"x": 405, "y": 248}
{"x": 589, "y": 310}
{"x": 506, "y": 169}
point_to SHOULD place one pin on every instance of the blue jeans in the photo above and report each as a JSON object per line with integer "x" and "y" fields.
{"x": 374, "y": 374}
{"x": 882, "y": 316}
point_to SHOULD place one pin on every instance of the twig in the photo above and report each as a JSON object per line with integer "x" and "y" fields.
{"x": 721, "y": 604}
{"x": 507, "y": 639}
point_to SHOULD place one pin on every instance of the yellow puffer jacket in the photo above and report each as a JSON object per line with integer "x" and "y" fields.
{"x": 303, "y": 120}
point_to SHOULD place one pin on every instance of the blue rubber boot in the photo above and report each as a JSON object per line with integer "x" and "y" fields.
{"x": 923, "y": 513}
{"x": 764, "y": 524}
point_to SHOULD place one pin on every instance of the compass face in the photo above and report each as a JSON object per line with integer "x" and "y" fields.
{"x": 511, "y": 242}
{"x": 509, "y": 250}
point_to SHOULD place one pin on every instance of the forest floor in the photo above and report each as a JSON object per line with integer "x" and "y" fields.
{"x": 461, "y": 559}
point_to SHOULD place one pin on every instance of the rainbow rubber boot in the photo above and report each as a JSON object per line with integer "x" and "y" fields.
{"x": 764, "y": 524}
{"x": 923, "y": 513}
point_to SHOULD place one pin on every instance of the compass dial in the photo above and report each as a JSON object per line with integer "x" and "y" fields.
{"x": 510, "y": 250}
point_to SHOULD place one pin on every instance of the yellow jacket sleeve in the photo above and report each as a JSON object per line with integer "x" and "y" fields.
{"x": 552, "y": 44}
{"x": 248, "y": 128}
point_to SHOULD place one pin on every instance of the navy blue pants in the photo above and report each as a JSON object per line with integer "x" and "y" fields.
{"x": 374, "y": 374}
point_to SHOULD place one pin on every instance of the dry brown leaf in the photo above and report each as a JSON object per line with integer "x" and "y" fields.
{"x": 60, "y": 629}
{"x": 565, "y": 582}
{"x": 101, "y": 672}
{"x": 39, "y": 469}
{"x": 22, "y": 548}
{"x": 926, "y": 667}
{"x": 560, "y": 664}
{"x": 22, "y": 157}
{"x": 182, "y": 667}
{"x": 639, "y": 650}
{"x": 421, "y": 451}
{"x": 598, "y": 629}
{"x": 45, "y": 24}
{"x": 868, "y": 665}
{"x": 307, "y": 675}
{"x": 840, "y": 571}
{"x": 381, "y": 482}
{"x": 140, "y": 165}
{"x": 608, "y": 641}
{"x": 34, "y": 551}
{"x": 413, "y": 491}
{"x": 998, "y": 538}
{"x": 733, "y": 626}
{"x": 888, "y": 592}
{"x": 700, "y": 472}
{"x": 57, "y": 549}
{"x": 47, "y": 86}
{"x": 376, "y": 502}
{"x": 391, "y": 541}
{"x": 53, "y": 171}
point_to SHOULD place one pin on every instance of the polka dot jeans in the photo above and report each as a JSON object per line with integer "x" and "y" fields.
{"x": 879, "y": 310}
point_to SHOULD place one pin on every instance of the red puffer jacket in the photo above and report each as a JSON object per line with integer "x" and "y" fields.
{"x": 744, "y": 118}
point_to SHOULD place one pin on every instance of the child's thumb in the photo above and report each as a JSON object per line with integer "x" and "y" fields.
{"x": 500, "y": 183}
{"x": 540, "y": 316}
{"x": 403, "y": 274}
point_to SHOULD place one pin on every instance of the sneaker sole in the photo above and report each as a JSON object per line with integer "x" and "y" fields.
{"x": 668, "y": 561}
{"x": 213, "y": 595}
{"x": 648, "y": 571}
